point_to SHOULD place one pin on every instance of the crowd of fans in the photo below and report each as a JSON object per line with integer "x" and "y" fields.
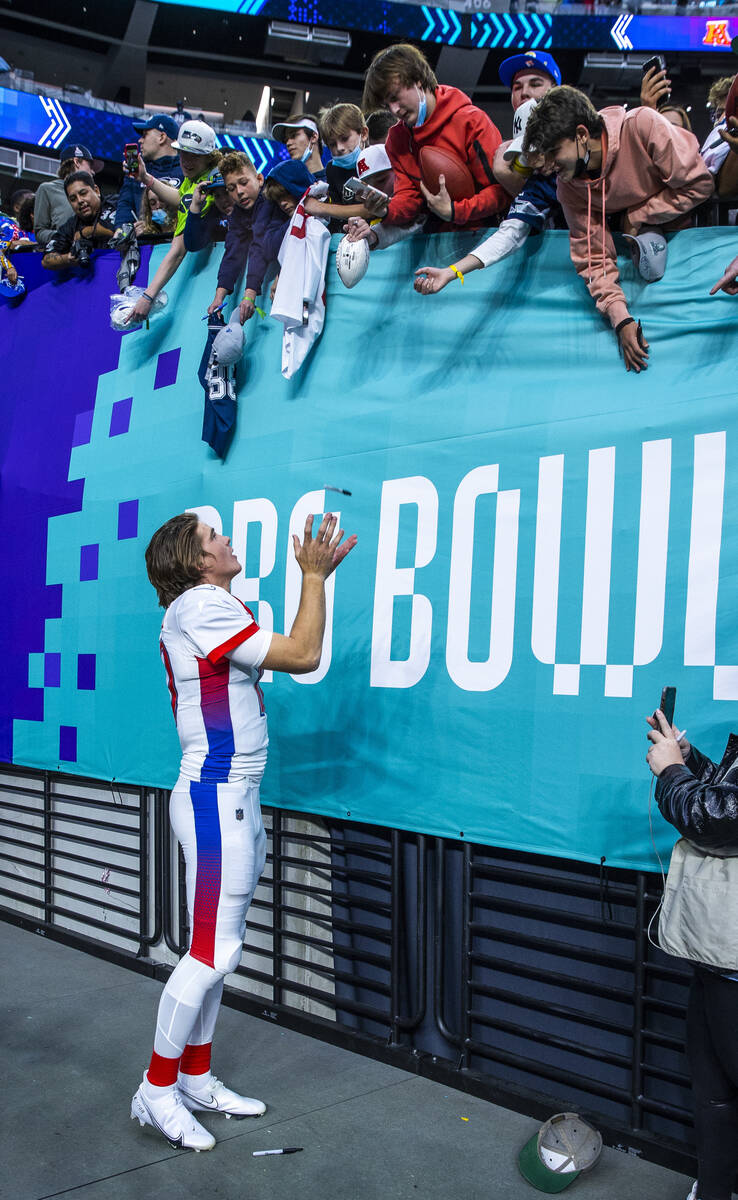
{"x": 417, "y": 156}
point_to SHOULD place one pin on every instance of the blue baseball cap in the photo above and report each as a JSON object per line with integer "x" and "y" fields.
{"x": 213, "y": 181}
{"x": 529, "y": 60}
{"x": 161, "y": 121}
{"x": 293, "y": 176}
{"x": 12, "y": 290}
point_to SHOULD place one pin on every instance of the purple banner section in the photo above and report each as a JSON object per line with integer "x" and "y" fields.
{"x": 56, "y": 344}
{"x": 627, "y": 31}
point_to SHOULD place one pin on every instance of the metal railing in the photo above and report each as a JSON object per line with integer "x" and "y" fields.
{"x": 525, "y": 979}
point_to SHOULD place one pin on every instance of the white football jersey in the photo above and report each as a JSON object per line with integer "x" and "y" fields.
{"x": 299, "y": 300}
{"x": 212, "y": 650}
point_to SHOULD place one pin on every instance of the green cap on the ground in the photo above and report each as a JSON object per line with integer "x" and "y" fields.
{"x": 532, "y": 1169}
{"x": 561, "y": 1149}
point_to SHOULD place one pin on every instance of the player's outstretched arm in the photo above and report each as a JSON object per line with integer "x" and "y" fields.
{"x": 317, "y": 558}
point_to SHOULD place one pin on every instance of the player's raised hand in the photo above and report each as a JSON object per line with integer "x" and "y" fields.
{"x": 320, "y": 555}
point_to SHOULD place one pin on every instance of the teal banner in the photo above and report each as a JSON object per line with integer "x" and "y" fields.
{"x": 544, "y": 542}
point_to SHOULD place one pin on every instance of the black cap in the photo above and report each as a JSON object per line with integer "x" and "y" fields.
{"x": 75, "y": 150}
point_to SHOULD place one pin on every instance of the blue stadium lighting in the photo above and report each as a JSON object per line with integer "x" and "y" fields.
{"x": 490, "y": 31}
{"x": 48, "y": 122}
{"x": 441, "y": 22}
{"x": 525, "y": 32}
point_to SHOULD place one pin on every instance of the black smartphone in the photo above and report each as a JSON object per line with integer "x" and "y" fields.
{"x": 668, "y": 700}
{"x": 130, "y": 157}
{"x": 658, "y": 63}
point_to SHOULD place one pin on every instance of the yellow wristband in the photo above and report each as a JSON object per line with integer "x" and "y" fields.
{"x": 456, "y": 271}
{"x": 521, "y": 170}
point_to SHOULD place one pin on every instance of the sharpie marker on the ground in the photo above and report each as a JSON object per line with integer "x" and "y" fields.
{"x": 284, "y": 1150}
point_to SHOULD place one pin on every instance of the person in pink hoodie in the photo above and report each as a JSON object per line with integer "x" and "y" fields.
{"x": 635, "y": 163}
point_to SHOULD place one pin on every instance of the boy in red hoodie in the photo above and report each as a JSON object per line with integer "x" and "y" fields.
{"x": 635, "y": 163}
{"x": 431, "y": 114}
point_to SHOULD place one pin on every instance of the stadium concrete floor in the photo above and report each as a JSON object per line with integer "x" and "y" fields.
{"x": 77, "y": 1032}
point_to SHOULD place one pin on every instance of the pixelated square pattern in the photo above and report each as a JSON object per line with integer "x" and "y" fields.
{"x": 89, "y": 562}
{"x": 120, "y": 417}
{"x": 108, "y": 523}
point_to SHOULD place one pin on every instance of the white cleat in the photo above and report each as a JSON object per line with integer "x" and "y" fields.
{"x": 169, "y": 1117}
{"x": 216, "y": 1097}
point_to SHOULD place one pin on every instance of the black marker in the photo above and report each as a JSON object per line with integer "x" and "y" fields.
{"x": 285, "y": 1150}
{"x": 342, "y": 491}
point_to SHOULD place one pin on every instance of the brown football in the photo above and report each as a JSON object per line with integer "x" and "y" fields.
{"x": 434, "y": 162}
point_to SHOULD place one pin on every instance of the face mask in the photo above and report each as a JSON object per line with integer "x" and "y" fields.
{"x": 422, "y": 109}
{"x": 307, "y": 154}
{"x": 159, "y": 216}
{"x": 582, "y": 163}
{"x": 347, "y": 161}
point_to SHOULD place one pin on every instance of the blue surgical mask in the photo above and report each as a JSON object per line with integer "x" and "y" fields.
{"x": 307, "y": 154}
{"x": 422, "y": 109}
{"x": 159, "y": 216}
{"x": 347, "y": 161}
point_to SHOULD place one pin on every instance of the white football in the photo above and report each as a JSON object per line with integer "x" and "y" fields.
{"x": 119, "y": 316}
{"x": 352, "y": 260}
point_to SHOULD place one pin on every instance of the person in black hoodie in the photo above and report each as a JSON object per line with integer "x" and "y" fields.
{"x": 255, "y": 231}
{"x": 700, "y": 798}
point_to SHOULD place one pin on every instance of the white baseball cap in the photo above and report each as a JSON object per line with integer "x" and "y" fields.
{"x": 228, "y": 344}
{"x": 196, "y": 138}
{"x": 280, "y": 131}
{"x": 372, "y": 160}
{"x": 520, "y": 120}
{"x": 649, "y": 253}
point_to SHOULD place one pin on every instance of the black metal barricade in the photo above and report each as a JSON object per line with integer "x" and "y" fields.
{"x": 521, "y": 978}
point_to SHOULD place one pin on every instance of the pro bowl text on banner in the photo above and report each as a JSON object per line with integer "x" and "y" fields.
{"x": 544, "y": 539}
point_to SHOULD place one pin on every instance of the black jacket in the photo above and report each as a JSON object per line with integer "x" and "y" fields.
{"x": 203, "y": 228}
{"x": 254, "y": 234}
{"x": 61, "y": 241}
{"x": 700, "y": 798}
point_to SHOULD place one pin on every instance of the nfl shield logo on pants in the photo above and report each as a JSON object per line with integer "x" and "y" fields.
{"x": 239, "y": 814}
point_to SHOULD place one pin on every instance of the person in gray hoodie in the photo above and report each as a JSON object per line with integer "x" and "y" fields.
{"x": 52, "y": 209}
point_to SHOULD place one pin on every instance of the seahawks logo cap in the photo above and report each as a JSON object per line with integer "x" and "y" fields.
{"x": 196, "y": 138}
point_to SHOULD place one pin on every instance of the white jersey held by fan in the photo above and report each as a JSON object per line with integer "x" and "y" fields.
{"x": 299, "y": 301}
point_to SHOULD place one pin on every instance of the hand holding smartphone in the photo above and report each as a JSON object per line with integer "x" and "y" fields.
{"x": 668, "y": 701}
{"x": 354, "y": 189}
{"x": 130, "y": 158}
{"x": 656, "y": 64}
